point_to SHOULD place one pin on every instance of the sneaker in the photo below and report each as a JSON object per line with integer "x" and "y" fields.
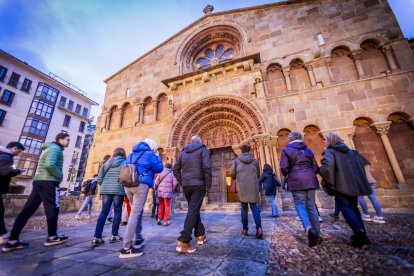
{"x": 259, "y": 233}
{"x": 59, "y": 239}
{"x": 186, "y": 248}
{"x": 298, "y": 218}
{"x": 130, "y": 252}
{"x": 78, "y": 217}
{"x": 275, "y": 216}
{"x": 110, "y": 219}
{"x": 201, "y": 239}
{"x": 4, "y": 238}
{"x": 97, "y": 242}
{"x": 378, "y": 219}
{"x": 107, "y": 222}
{"x": 116, "y": 238}
{"x": 366, "y": 217}
{"x": 159, "y": 222}
{"x": 124, "y": 223}
{"x": 320, "y": 219}
{"x": 179, "y": 245}
{"x": 334, "y": 216}
{"x": 166, "y": 223}
{"x": 139, "y": 243}
{"x": 245, "y": 232}
{"x": 313, "y": 238}
{"x": 89, "y": 217}
{"x": 11, "y": 247}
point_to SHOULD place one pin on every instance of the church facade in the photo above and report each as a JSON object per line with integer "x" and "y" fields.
{"x": 252, "y": 75}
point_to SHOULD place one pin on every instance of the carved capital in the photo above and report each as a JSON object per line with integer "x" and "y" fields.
{"x": 286, "y": 71}
{"x": 387, "y": 49}
{"x": 328, "y": 60}
{"x": 308, "y": 67}
{"x": 382, "y": 127}
{"x": 357, "y": 54}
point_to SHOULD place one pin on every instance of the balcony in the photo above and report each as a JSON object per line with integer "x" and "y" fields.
{"x": 87, "y": 118}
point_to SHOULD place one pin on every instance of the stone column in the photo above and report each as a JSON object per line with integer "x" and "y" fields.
{"x": 328, "y": 62}
{"x": 108, "y": 121}
{"x": 382, "y": 130}
{"x": 121, "y": 116}
{"x": 346, "y": 133}
{"x": 276, "y": 159}
{"x": 311, "y": 74}
{"x": 286, "y": 74}
{"x": 358, "y": 64}
{"x": 137, "y": 113}
{"x": 389, "y": 55}
{"x": 156, "y": 105}
{"x": 142, "y": 113}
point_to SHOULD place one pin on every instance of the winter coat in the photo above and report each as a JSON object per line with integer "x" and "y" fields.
{"x": 245, "y": 170}
{"x": 50, "y": 163}
{"x": 269, "y": 181}
{"x": 367, "y": 168}
{"x": 299, "y": 166}
{"x": 344, "y": 171}
{"x": 146, "y": 162}
{"x": 193, "y": 166}
{"x": 165, "y": 184}
{"x": 108, "y": 177}
{"x": 6, "y": 169}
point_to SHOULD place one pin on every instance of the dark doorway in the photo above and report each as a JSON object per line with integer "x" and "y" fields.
{"x": 221, "y": 162}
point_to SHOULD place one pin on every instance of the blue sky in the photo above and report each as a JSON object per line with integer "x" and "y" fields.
{"x": 86, "y": 41}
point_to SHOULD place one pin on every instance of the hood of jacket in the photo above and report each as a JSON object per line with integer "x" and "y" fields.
{"x": 193, "y": 147}
{"x": 116, "y": 161}
{"x": 52, "y": 144}
{"x": 339, "y": 147}
{"x": 141, "y": 146}
{"x": 5, "y": 150}
{"x": 297, "y": 145}
{"x": 246, "y": 158}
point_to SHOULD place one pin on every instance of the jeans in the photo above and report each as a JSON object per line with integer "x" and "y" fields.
{"x": 272, "y": 201}
{"x": 255, "y": 212}
{"x": 137, "y": 197}
{"x": 348, "y": 205}
{"x": 194, "y": 196}
{"x": 164, "y": 208}
{"x": 107, "y": 201}
{"x": 172, "y": 207}
{"x": 154, "y": 204}
{"x": 3, "y": 229}
{"x": 374, "y": 202}
{"x": 336, "y": 212}
{"x": 47, "y": 192}
{"x": 306, "y": 209}
{"x": 88, "y": 202}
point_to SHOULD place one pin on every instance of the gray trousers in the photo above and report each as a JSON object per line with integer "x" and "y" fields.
{"x": 137, "y": 197}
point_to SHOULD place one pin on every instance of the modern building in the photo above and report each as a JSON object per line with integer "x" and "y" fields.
{"x": 87, "y": 144}
{"x": 34, "y": 108}
{"x": 254, "y": 74}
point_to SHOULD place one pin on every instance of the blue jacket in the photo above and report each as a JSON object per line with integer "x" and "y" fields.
{"x": 269, "y": 179}
{"x": 146, "y": 161}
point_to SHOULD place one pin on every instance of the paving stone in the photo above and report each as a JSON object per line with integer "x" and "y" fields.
{"x": 193, "y": 265}
{"x": 241, "y": 267}
{"x": 87, "y": 255}
{"x": 87, "y": 269}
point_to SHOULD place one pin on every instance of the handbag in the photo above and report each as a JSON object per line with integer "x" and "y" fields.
{"x": 327, "y": 188}
{"x": 233, "y": 187}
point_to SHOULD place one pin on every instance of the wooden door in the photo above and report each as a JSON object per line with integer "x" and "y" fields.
{"x": 221, "y": 162}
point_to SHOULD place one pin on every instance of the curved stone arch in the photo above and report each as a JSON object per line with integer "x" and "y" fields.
{"x": 222, "y": 123}
{"x": 161, "y": 95}
{"x": 273, "y": 65}
{"x": 304, "y": 58}
{"x": 382, "y": 39}
{"x": 405, "y": 116}
{"x": 350, "y": 45}
{"x": 147, "y": 99}
{"x": 363, "y": 118}
{"x": 229, "y": 101}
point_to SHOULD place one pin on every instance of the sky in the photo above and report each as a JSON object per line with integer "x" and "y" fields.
{"x": 86, "y": 41}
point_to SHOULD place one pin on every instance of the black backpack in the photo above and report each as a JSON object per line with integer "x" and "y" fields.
{"x": 86, "y": 187}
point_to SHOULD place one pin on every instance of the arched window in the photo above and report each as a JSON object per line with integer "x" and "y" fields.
{"x": 148, "y": 110}
{"x": 213, "y": 55}
{"x": 162, "y": 112}
{"x": 113, "y": 118}
{"x": 275, "y": 81}
{"x": 373, "y": 61}
{"x": 342, "y": 65}
{"x": 299, "y": 77}
{"x": 126, "y": 120}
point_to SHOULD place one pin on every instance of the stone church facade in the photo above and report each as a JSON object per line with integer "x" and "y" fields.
{"x": 253, "y": 75}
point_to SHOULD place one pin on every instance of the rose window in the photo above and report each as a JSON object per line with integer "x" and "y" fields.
{"x": 212, "y": 57}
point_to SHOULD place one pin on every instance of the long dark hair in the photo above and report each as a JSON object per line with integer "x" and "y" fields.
{"x": 119, "y": 152}
{"x": 267, "y": 168}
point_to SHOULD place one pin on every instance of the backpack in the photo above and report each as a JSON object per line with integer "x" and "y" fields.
{"x": 275, "y": 180}
{"x": 128, "y": 175}
{"x": 86, "y": 186}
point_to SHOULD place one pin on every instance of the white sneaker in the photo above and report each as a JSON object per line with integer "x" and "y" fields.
{"x": 378, "y": 219}
{"x": 298, "y": 218}
{"x": 320, "y": 219}
{"x": 4, "y": 238}
{"x": 89, "y": 217}
{"x": 366, "y": 217}
{"x": 77, "y": 217}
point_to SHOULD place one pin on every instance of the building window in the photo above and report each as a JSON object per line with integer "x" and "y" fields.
{"x": 82, "y": 127}
{"x": 32, "y": 145}
{"x": 2, "y": 116}
{"x": 66, "y": 122}
{"x": 26, "y": 85}
{"x": 7, "y": 97}
{"x": 35, "y": 127}
{"x": 85, "y": 112}
{"x": 78, "y": 141}
{"x": 47, "y": 92}
{"x": 63, "y": 131}
{"x": 3, "y": 72}
{"x": 70, "y": 105}
{"x": 127, "y": 94}
{"x": 62, "y": 102}
{"x": 78, "y": 109}
{"x": 41, "y": 109}
{"x": 14, "y": 79}
{"x": 213, "y": 56}
{"x": 27, "y": 164}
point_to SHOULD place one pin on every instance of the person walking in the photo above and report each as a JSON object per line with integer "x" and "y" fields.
{"x": 270, "y": 182}
{"x": 45, "y": 190}
{"x": 245, "y": 170}
{"x": 193, "y": 172}
{"x": 299, "y": 167}
{"x": 112, "y": 192}
{"x": 147, "y": 163}
{"x": 344, "y": 177}
{"x": 89, "y": 190}
{"x": 6, "y": 173}
{"x": 165, "y": 184}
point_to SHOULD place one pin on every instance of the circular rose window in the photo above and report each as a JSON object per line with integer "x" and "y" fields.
{"x": 213, "y": 56}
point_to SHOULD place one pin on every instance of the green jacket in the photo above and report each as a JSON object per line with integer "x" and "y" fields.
{"x": 50, "y": 163}
{"x": 108, "y": 177}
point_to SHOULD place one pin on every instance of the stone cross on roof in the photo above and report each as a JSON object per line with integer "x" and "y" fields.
{"x": 208, "y": 9}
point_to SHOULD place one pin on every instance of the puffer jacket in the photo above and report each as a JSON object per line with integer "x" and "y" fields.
{"x": 245, "y": 170}
{"x": 6, "y": 169}
{"x": 269, "y": 181}
{"x": 108, "y": 177}
{"x": 50, "y": 163}
{"x": 299, "y": 166}
{"x": 165, "y": 184}
{"x": 145, "y": 162}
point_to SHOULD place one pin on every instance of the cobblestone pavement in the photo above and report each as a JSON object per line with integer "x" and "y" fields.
{"x": 283, "y": 251}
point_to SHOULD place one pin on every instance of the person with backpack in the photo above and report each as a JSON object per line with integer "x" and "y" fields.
{"x": 299, "y": 167}
{"x": 138, "y": 177}
{"x": 165, "y": 184}
{"x": 45, "y": 190}
{"x": 270, "y": 182}
{"x": 112, "y": 192}
{"x": 88, "y": 190}
{"x": 6, "y": 173}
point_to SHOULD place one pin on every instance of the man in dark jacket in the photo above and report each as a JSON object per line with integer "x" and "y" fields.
{"x": 6, "y": 173}
{"x": 193, "y": 171}
{"x": 89, "y": 193}
{"x": 45, "y": 190}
